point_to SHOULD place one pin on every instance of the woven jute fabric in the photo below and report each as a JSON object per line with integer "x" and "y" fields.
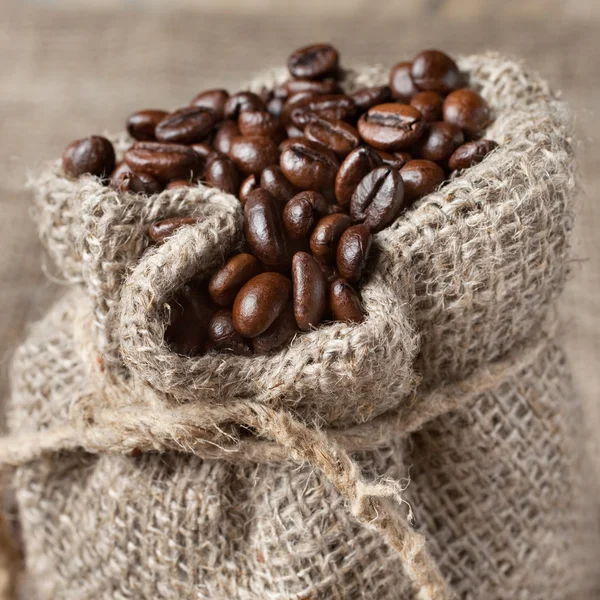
{"x": 430, "y": 451}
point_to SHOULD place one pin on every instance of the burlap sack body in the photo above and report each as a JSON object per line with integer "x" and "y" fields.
{"x": 453, "y": 380}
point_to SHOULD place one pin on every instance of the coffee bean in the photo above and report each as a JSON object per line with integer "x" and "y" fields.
{"x": 420, "y": 177}
{"x": 229, "y": 279}
{"x": 142, "y": 123}
{"x": 338, "y": 136}
{"x": 308, "y": 165}
{"x": 302, "y": 211}
{"x": 202, "y": 149}
{"x": 223, "y": 174}
{"x": 391, "y": 126}
{"x": 327, "y": 234}
{"x": 165, "y": 162}
{"x": 241, "y": 102}
{"x": 178, "y": 183}
{"x": 377, "y": 200}
{"x": 223, "y": 335}
{"x": 435, "y": 71}
{"x": 329, "y": 271}
{"x": 402, "y": 86}
{"x": 316, "y": 88}
{"x": 258, "y": 122}
{"x": 226, "y": 131}
{"x": 252, "y": 154}
{"x": 186, "y": 125}
{"x": 333, "y": 107}
{"x": 248, "y": 186}
{"x": 263, "y": 229}
{"x": 355, "y": 166}
{"x": 439, "y": 141}
{"x": 313, "y": 62}
{"x": 128, "y": 181}
{"x": 160, "y": 230}
{"x": 279, "y": 333}
{"x": 429, "y": 104}
{"x": 470, "y": 154}
{"x": 92, "y": 155}
{"x": 120, "y": 170}
{"x": 353, "y": 251}
{"x": 274, "y": 181}
{"x": 345, "y": 303}
{"x": 214, "y": 100}
{"x": 290, "y": 104}
{"x": 396, "y": 159}
{"x": 468, "y": 110}
{"x": 260, "y": 301}
{"x": 309, "y": 289}
{"x": 366, "y": 98}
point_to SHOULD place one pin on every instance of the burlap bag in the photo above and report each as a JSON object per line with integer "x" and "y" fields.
{"x": 430, "y": 451}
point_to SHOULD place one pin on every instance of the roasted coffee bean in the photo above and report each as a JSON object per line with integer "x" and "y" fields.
{"x": 263, "y": 229}
{"x": 309, "y": 289}
{"x": 241, "y": 102}
{"x": 329, "y": 271}
{"x": 429, "y": 104}
{"x": 378, "y": 199}
{"x": 290, "y": 104}
{"x": 313, "y": 62}
{"x": 226, "y": 131}
{"x": 160, "y": 230}
{"x": 396, "y": 159}
{"x": 420, "y": 178}
{"x": 92, "y": 155}
{"x": 203, "y": 149}
{"x": 402, "y": 86}
{"x": 214, "y": 100}
{"x": 439, "y": 141}
{"x": 308, "y": 165}
{"x": 229, "y": 279}
{"x": 353, "y": 251}
{"x": 252, "y": 154}
{"x": 345, "y": 303}
{"x": 274, "y": 181}
{"x": 120, "y": 170}
{"x": 142, "y": 123}
{"x": 260, "y": 301}
{"x": 333, "y": 107}
{"x": 355, "y": 166}
{"x": 186, "y": 125}
{"x": 257, "y": 122}
{"x": 302, "y": 212}
{"x": 435, "y": 71}
{"x": 223, "y": 174}
{"x": 165, "y": 162}
{"x": 223, "y": 335}
{"x": 275, "y": 106}
{"x": 248, "y": 186}
{"x": 279, "y": 333}
{"x": 470, "y": 154}
{"x": 391, "y": 126}
{"x": 468, "y": 110}
{"x": 178, "y": 183}
{"x": 128, "y": 181}
{"x": 316, "y": 88}
{"x": 366, "y": 98}
{"x": 326, "y": 235}
{"x": 338, "y": 136}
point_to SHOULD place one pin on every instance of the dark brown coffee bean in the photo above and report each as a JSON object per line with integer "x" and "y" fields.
{"x": 366, "y": 98}
{"x": 142, "y": 123}
{"x": 317, "y": 88}
{"x": 214, "y": 100}
{"x": 274, "y": 181}
{"x": 353, "y": 252}
{"x": 160, "y": 230}
{"x": 263, "y": 229}
{"x": 241, "y": 102}
{"x": 223, "y": 174}
{"x": 345, "y": 303}
{"x": 252, "y": 154}
{"x": 334, "y": 107}
{"x": 164, "y": 162}
{"x": 202, "y": 149}
{"x": 391, "y": 126}
{"x": 309, "y": 165}
{"x": 420, "y": 178}
{"x": 313, "y": 62}
{"x": 429, "y": 104}
{"x": 378, "y": 198}
{"x": 396, "y": 159}
{"x": 310, "y": 291}
{"x": 468, "y": 110}
{"x": 302, "y": 211}
{"x": 338, "y": 136}
{"x": 327, "y": 234}
{"x": 186, "y": 125}
{"x": 329, "y": 271}
{"x": 279, "y": 333}
{"x": 290, "y": 104}
{"x": 224, "y": 337}
{"x": 92, "y": 155}
{"x": 439, "y": 141}
{"x": 120, "y": 170}
{"x": 248, "y": 186}
{"x": 229, "y": 279}
{"x": 226, "y": 131}
{"x": 355, "y": 166}
{"x": 178, "y": 183}
{"x": 128, "y": 181}
{"x": 470, "y": 154}
{"x": 257, "y": 123}
{"x": 260, "y": 301}
{"x": 402, "y": 86}
{"x": 435, "y": 71}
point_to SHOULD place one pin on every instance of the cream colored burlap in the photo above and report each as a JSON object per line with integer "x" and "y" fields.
{"x": 453, "y": 382}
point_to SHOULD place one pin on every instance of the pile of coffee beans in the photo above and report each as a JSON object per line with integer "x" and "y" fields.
{"x": 317, "y": 171}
